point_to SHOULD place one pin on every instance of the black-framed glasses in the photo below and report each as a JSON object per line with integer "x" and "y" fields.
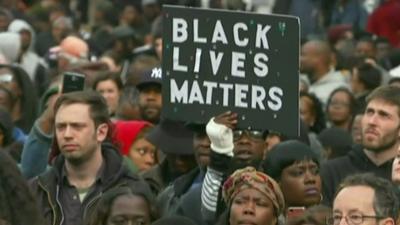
{"x": 255, "y": 135}
{"x": 352, "y": 219}
{"x": 339, "y": 104}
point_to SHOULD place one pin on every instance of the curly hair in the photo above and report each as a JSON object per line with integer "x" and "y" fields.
{"x": 320, "y": 122}
{"x": 103, "y": 208}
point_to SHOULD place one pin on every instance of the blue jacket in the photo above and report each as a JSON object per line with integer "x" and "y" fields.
{"x": 35, "y": 152}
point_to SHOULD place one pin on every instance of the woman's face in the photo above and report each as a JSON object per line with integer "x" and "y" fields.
{"x": 143, "y": 154}
{"x": 129, "y": 209}
{"x": 6, "y": 100}
{"x": 250, "y": 206}
{"x": 301, "y": 184}
{"x": 109, "y": 90}
{"x": 339, "y": 108}
{"x": 306, "y": 111}
{"x": 356, "y": 129}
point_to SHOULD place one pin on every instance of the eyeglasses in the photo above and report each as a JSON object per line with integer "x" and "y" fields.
{"x": 339, "y": 104}
{"x": 352, "y": 219}
{"x": 252, "y": 134}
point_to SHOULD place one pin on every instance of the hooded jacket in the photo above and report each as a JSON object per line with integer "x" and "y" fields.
{"x": 334, "y": 171}
{"x": 46, "y": 187}
{"x": 31, "y": 62}
{"x": 10, "y": 46}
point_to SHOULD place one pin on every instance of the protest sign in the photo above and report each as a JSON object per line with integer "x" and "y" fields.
{"x": 219, "y": 60}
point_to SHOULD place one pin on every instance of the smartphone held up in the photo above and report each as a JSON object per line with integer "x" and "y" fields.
{"x": 73, "y": 82}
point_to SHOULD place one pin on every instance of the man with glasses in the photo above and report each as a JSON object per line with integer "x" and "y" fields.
{"x": 249, "y": 145}
{"x": 365, "y": 199}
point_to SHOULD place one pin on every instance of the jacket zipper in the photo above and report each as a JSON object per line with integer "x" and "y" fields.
{"x": 96, "y": 198}
{"x": 59, "y": 204}
{"x": 90, "y": 203}
{"x": 51, "y": 205}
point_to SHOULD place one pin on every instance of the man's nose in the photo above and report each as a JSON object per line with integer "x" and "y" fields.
{"x": 68, "y": 132}
{"x": 343, "y": 221}
{"x": 372, "y": 119}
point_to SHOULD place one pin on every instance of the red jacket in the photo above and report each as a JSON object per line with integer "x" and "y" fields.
{"x": 385, "y": 22}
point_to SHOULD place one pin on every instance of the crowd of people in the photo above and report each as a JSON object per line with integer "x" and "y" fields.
{"x": 106, "y": 155}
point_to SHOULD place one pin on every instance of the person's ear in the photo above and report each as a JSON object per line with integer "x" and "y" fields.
{"x": 387, "y": 221}
{"x": 101, "y": 132}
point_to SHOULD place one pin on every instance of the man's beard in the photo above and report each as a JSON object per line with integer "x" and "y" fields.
{"x": 81, "y": 159}
{"x": 380, "y": 148}
{"x": 154, "y": 118}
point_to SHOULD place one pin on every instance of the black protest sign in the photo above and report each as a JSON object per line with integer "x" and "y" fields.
{"x": 219, "y": 60}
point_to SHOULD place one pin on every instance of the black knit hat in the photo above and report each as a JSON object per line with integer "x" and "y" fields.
{"x": 339, "y": 140}
{"x": 285, "y": 154}
{"x": 369, "y": 75}
{"x": 174, "y": 220}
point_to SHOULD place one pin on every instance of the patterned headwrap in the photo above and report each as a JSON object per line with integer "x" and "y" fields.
{"x": 249, "y": 177}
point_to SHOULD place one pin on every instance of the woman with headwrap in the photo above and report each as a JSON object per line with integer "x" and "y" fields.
{"x": 252, "y": 197}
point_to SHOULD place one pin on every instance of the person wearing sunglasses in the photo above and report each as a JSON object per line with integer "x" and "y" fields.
{"x": 365, "y": 199}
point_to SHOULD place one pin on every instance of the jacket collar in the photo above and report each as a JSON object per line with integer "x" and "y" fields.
{"x": 112, "y": 171}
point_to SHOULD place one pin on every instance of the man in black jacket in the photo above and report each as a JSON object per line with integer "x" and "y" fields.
{"x": 87, "y": 167}
{"x": 169, "y": 200}
{"x": 380, "y": 141}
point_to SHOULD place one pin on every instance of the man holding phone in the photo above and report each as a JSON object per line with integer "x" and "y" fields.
{"x": 36, "y": 149}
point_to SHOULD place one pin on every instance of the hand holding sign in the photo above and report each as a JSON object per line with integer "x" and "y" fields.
{"x": 219, "y": 130}
{"x": 215, "y": 60}
{"x": 228, "y": 119}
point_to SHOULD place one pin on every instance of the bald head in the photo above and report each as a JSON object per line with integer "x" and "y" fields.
{"x": 315, "y": 58}
{"x": 321, "y": 47}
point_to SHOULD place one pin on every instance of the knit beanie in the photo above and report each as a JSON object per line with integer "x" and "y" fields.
{"x": 286, "y": 154}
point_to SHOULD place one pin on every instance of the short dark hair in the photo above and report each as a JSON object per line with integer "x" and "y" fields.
{"x": 368, "y": 75}
{"x": 386, "y": 202}
{"x": 97, "y": 104}
{"x": 388, "y": 93}
{"x": 108, "y": 76}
